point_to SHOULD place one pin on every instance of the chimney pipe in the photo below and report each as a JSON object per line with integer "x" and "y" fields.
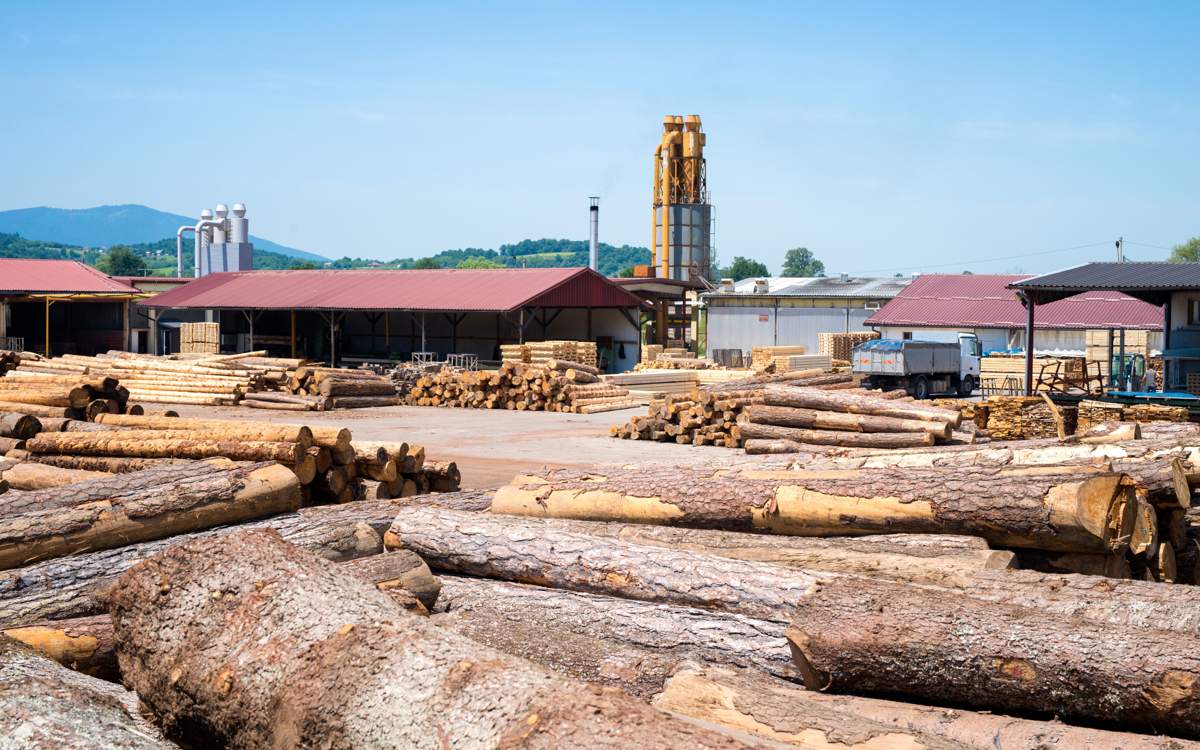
{"x": 594, "y": 254}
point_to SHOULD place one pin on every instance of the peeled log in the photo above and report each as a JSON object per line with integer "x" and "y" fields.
{"x": 625, "y": 643}
{"x": 35, "y": 476}
{"x": 45, "y": 706}
{"x": 108, "y": 464}
{"x": 851, "y": 403}
{"x": 777, "y": 446}
{"x": 19, "y": 426}
{"x": 38, "y": 410}
{"x": 743, "y": 699}
{"x": 786, "y": 416}
{"x": 298, "y": 653}
{"x": 1037, "y": 507}
{"x": 327, "y": 436}
{"x": 118, "y": 444}
{"x": 880, "y": 637}
{"x": 239, "y": 494}
{"x": 356, "y": 387}
{"x": 753, "y": 430}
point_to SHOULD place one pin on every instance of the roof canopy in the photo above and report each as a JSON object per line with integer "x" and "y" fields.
{"x": 1152, "y": 282}
{"x": 988, "y": 301}
{"x": 824, "y": 286}
{"x": 436, "y": 290}
{"x": 26, "y": 276}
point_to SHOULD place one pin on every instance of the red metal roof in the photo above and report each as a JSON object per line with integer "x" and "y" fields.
{"x": 982, "y": 301}
{"x": 30, "y": 276}
{"x": 447, "y": 290}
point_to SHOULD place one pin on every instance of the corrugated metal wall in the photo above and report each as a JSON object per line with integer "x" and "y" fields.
{"x": 747, "y": 327}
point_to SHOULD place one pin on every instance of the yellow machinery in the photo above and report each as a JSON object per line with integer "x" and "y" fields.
{"x": 682, "y": 217}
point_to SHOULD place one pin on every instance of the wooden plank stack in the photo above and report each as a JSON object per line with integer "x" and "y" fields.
{"x": 791, "y": 362}
{"x": 539, "y": 352}
{"x": 1025, "y": 417}
{"x": 1092, "y": 413}
{"x": 763, "y": 357}
{"x": 1009, "y": 369}
{"x": 1155, "y": 413}
{"x": 200, "y": 338}
{"x": 555, "y": 385}
{"x": 839, "y": 345}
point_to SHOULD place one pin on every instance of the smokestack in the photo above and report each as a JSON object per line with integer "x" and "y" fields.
{"x": 594, "y": 254}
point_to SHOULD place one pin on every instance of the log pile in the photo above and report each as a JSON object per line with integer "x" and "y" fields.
{"x": 315, "y": 388}
{"x": 541, "y": 352}
{"x": 555, "y": 385}
{"x": 73, "y": 395}
{"x": 9, "y": 360}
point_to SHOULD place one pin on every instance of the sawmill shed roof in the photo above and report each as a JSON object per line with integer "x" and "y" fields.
{"x": 432, "y": 290}
{"x": 19, "y": 276}
{"x": 986, "y": 301}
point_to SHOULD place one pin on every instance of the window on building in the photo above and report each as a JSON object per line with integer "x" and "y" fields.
{"x": 1194, "y": 312}
{"x": 907, "y": 335}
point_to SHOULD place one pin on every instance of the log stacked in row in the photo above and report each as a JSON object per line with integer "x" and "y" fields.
{"x": 70, "y": 395}
{"x": 557, "y": 385}
{"x": 315, "y": 388}
{"x": 540, "y": 352}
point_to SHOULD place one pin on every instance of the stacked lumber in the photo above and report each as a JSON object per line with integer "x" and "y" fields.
{"x": 1025, "y": 417}
{"x": 676, "y": 363}
{"x": 762, "y": 357}
{"x": 316, "y": 388}
{"x": 539, "y": 352}
{"x": 1097, "y": 353}
{"x": 788, "y": 363}
{"x": 650, "y": 352}
{"x": 555, "y": 385}
{"x": 839, "y": 345}
{"x": 1092, "y": 413}
{"x": 200, "y": 338}
{"x": 651, "y": 385}
{"x": 1155, "y": 413}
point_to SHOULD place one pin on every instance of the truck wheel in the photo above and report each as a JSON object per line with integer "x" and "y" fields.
{"x": 967, "y": 385}
{"x": 920, "y": 388}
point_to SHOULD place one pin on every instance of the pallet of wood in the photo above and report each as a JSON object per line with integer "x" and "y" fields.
{"x": 839, "y": 345}
{"x": 791, "y": 362}
{"x": 762, "y": 357}
{"x": 539, "y": 352}
{"x": 200, "y": 338}
{"x": 555, "y": 385}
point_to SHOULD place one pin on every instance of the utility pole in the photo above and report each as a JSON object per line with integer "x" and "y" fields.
{"x": 1120, "y": 249}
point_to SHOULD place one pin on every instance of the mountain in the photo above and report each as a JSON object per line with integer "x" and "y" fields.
{"x": 113, "y": 225}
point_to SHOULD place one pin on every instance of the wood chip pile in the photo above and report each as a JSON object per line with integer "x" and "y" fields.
{"x": 556, "y": 385}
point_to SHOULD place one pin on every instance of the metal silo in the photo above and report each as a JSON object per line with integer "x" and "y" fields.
{"x": 682, "y": 216}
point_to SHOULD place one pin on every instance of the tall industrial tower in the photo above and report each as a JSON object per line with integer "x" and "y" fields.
{"x": 681, "y": 246}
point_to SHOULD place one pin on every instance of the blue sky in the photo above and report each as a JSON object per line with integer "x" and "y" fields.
{"x": 885, "y": 137}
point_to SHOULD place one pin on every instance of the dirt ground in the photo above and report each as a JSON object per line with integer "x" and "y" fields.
{"x": 490, "y": 446}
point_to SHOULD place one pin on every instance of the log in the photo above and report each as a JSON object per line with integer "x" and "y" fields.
{"x": 1037, "y": 507}
{"x": 75, "y": 398}
{"x": 1082, "y": 563}
{"x": 278, "y": 406}
{"x": 126, "y": 445}
{"x": 106, "y": 464}
{"x": 225, "y": 430}
{"x": 1110, "y": 432}
{"x": 35, "y": 476}
{"x": 759, "y": 447}
{"x": 356, "y": 387}
{"x": 812, "y": 398}
{"x": 777, "y": 709}
{"x": 322, "y": 435}
{"x": 392, "y": 449}
{"x": 405, "y": 571}
{"x": 362, "y": 402}
{"x": 881, "y": 637}
{"x": 786, "y": 416}
{"x": 384, "y": 472}
{"x": 625, "y": 643}
{"x": 751, "y": 430}
{"x": 37, "y": 410}
{"x": 19, "y": 426}
{"x": 8, "y": 444}
{"x": 45, "y": 706}
{"x": 347, "y": 669}
{"x": 76, "y": 521}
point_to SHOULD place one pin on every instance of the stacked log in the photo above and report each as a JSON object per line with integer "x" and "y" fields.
{"x": 541, "y": 352}
{"x": 9, "y": 360}
{"x": 316, "y": 388}
{"x": 554, "y": 385}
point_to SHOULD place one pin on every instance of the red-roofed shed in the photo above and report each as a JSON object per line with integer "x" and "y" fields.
{"x": 376, "y": 313}
{"x": 983, "y": 304}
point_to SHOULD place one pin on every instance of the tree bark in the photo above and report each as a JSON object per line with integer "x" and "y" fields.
{"x": 751, "y": 430}
{"x": 787, "y": 416}
{"x": 8, "y": 444}
{"x": 69, "y": 586}
{"x": 743, "y": 699}
{"x": 812, "y": 398}
{"x": 195, "y": 445}
{"x": 406, "y": 571}
{"x": 298, "y": 653}
{"x": 625, "y": 643}
{"x": 61, "y": 527}
{"x": 34, "y": 476}
{"x": 881, "y": 637}
{"x": 19, "y": 426}
{"x": 107, "y": 464}
{"x": 1036, "y": 507}
{"x": 45, "y": 706}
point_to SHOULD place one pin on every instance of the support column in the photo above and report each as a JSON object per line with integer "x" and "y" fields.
{"x": 3, "y": 320}
{"x": 387, "y": 333}
{"x": 589, "y": 324}
{"x": 1124, "y": 379}
{"x": 1112, "y": 373}
{"x": 660, "y": 322}
{"x": 423, "y": 333}
{"x": 125, "y": 324}
{"x": 47, "y": 327}
{"x": 152, "y": 316}
{"x": 1166, "y": 345}
{"x": 1029, "y": 305}
{"x": 332, "y": 339}
{"x": 293, "y": 336}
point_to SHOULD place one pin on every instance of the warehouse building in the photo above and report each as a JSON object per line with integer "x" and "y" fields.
{"x": 358, "y": 315}
{"x": 791, "y": 311}
{"x": 984, "y": 304}
{"x": 62, "y": 306}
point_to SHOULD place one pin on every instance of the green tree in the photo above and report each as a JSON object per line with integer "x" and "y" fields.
{"x": 426, "y": 263}
{"x": 478, "y": 262}
{"x": 800, "y": 262}
{"x": 1188, "y": 252}
{"x": 625, "y": 273}
{"x": 120, "y": 261}
{"x": 306, "y": 265}
{"x": 744, "y": 268}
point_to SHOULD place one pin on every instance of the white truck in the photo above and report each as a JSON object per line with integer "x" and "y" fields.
{"x": 921, "y": 367}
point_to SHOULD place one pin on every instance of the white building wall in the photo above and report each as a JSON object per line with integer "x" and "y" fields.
{"x": 747, "y": 327}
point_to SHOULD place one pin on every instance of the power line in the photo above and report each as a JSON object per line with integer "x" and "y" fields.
{"x": 1147, "y": 244}
{"x": 1106, "y": 243}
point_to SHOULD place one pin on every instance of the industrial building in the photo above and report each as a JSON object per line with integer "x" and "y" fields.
{"x": 62, "y": 307}
{"x": 681, "y": 236}
{"x": 984, "y": 304}
{"x": 790, "y": 311}
{"x": 141, "y": 338}
{"x": 355, "y": 315}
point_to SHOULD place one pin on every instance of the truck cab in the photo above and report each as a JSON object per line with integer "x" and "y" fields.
{"x": 923, "y": 367}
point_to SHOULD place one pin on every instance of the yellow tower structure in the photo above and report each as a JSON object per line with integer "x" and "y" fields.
{"x": 682, "y": 217}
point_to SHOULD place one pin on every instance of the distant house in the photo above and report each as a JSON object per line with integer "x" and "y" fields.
{"x": 982, "y": 304}
{"x": 790, "y": 310}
